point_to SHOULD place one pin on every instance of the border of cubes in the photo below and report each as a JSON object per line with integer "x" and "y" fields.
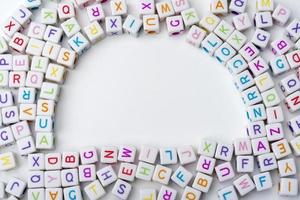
{"x": 215, "y": 36}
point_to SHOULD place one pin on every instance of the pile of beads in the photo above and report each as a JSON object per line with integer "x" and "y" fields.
{"x": 34, "y": 61}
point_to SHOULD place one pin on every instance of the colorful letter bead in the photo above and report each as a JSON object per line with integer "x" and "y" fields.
{"x": 281, "y": 14}
{"x": 148, "y": 194}
{"x": 27, "y": 112}
{"x": 162, "y": 174}
{"x": 36, "y": 30}
{"x": 44, "y": 140}
{"x": 168, "y": 155}
{"x": 249, "y": 51}
{"x": 244, "y": 185}
{"x": 127, "y": 154}
{"x": 195, "y": 36}
{"x": 211, "y": 43}
{"x": 26, "y": 146}
{"x": 43, "y": 124}
{"x": 84, "y": 3}
{"x": 293, "y": 58}
{"x": 167, "y": 193}
{"x": 69, "y": 177}
{"x": 206, "y": 164}
{"x": 70, "y": 159}
{"x": 261, "y": 38}
{"x": 65, "y": 11}
{"x": 88, "y": 155}
{"x": 7, "y": 161}
{"x": 181, "y": 5}
{"x": 175, "y": 25}
{"x": 10, "y": 115}
{"x": 50, "y": 91}
{"x": 53, "y": 34}
{"x": 274, "y": 114}
{"x": 292, "y": 101}
{"x": 15, "y": 187}
{"x": 19, "y": 42}
{"x": 39, "y": 64}
{"x": 36, "y": 161}
{"x": 144, "y": 171}
{"x": 242, "y": 146}
{"x": 238, "y": 6}
{"x": 95, "y": 12}
{"x": 32, "y": 4}
{"x": 242, "y": 22}
{"x": 182, "y": 177}
{"x": 190, "y": 17}
{"x": 45, "y": 107}
{"x": 264, "y": 81}
{"x": 67, "y": 57}
{"x": 94, "y": 190}
{"x": 94, "y": 32}
{"x": 219, "y": 6}
{"x": 280, "y": 46}
{"x": 224, "y": 151}
{"x": 190, "y": 193}
{"x": 186, "y": 155}
{"x": 35, "y": 47}
{"x": 72, "y": 193}
{"x": 289, "y": 84}
{"x": 274, "y": 131}
{"x": 267, "y": 162}
{"x": 224, "y": 30}
{"x": 79, "y": 43}
{"x": 263, "y": 20}
{"x": 113, "y": 25}
{"x": 22, "y": 15}
{"x": 132, "y": 25}
{"x": 87, "y": 173}
{"x": 292, "y": 30}
{"x": 48, "y": 16}
{"x": 270, "y": 97}
{"x": 224, "y": 53}
{"x": 107, "y": 175}
{"x": 294, "y": 125}
{"x": 54, "y": 192}
{"x": 256, "y": 113}
{"x": 288, "y": 187}
{"x": 244, "y": 164}
{"x": 36, "y": 194}
{"x": 258, "y": 66}
{"x": 151, "y": 24}
{"x": 127, "y": 171}
{"x": 4, "y": 78}
{"x": 207, "y": 148}
{"x": 118, "y": 7}
{"x": 51, "y": 50}
{"x": 148, "y": 154}
{"x": 264, "y": 5}
{"x": 34, "y": 79}
{"x": 121, "y": 189}
{"x": 279, "y": 65}
{"x": 202, "y": 182}
{"x": 53, "y": 161}
{"x": 10, "y": 27}
{"x": 210, "y": 22}
{"x": 237, "y": 64}
{"x": 237, "y": 40}
{"x": 147, "y": 7}
{"x": 263, "y": 181}
{"x": 260, "y": 146}
{"x": 287, "y": 167}
{"x": 164, "y": 9}
{"x": 35, "y": 179}
{"x": 295, "y": 143}
{"x": 70, "y": 27}
{"x": 281, "y": 148}
{"x": 227, "y": 193}
{"x": 224, "y": 171}
{"x": 109, "y": 154}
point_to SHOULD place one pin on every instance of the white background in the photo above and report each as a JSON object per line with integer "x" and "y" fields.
{"x": 154, "y": 90}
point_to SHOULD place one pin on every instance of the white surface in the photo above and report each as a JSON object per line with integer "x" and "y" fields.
{"x": 154, "y": 90}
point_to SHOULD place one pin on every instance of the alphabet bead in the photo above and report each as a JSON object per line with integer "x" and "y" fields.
{"x": 72, "y": 192}
{"x": 36, "y": 161}
{"x": 51, "y": 51}
{"x": 227, "y": 193}
{"x": 275, "y": 114}
{"x": 39, "y": 64}
{"x": 180, "y": 6}
{"x": 249, "y": 51}
{"x": 292, "y": 101}
{"x": 127, "y": 171}
{"x": 263, "y": 181}
{"x": 95, "y": 12}
{"x": 262, "y": 5}
{"x": 19, "y": 42}
{"x": 190, "y": 193}
{"x": 224, "y": 53}
{"x": 10, "y": 115}
{"x": 113, "y": 25}
{"x": 238, "y": 6}
{"x": 281, "y": 148}
{"x": 182, "y": 177}
{"x": 32, "y": 4}
{"x": 281, "y": 14}
{"x": 260, "y": 146}
{"x": 190, "y": 17}
{"x": 127, "y": 154}
{"x": 256, "y": 129}
{"x": 107, "y": 175}
{"x": 274, "y": 132}
{"x": 263, "y": 20}
{"x": 79, "y": 43}
{"x": 288, "y": 187}
{"x": 36, "y": 30}
{"x": 256, "y": 113}
{"x": 121, "y": 189}
{"x": 292, "y": 30}
{"x": 270, "y": 97}
{"x": 7, "y": 162}
{"x": 36, "y": 179}
{"x": 27, "y": 112}
{"x": 162, "y": 174}
{"x": 206, "y": 164}
{"x": 237, "y": 40}
{"x": 244, "y": 164}
{"x": 219, "y": 6}
{"x": 84, "y": 3}
{"x": 36, "y": 194}
{"x": 148, "y": 154}
{"x": 242, "y": 146}
{"x": 69, "y": 177}
{"x": 50, "y": 192}
{"x": 289, "y": 84}
{"x": 280, "y": 46}
{"x": 279, "y": 65}
{"x": 209, "y": 22}
{"x": 87, "y": 173}
{"x": 251, "y": 96}
{"x": 34, "y": 79}
{"x": 167, "y": 193}
{"x": 264, "y": 82}
{"x": 88, "y": 155}
{"x": 10, "y": 27}
{"x": 186, "y": 155}
{"x": 94, "y": 32}
{"x": 67, "y": 57}
{"x": 44, "y": 140}
{"x": 258, "y": 66}
{"x": 20, "y": 130}
{"x": 195, "y": 36}
{"x": 261, "y": 38}
{"x": 118, "y": 7}
{"x": 224, "y": 171}
{"x": 151, "y": 24}
{"x": 94, "y": 190}
{"x": 244, "y": 185}
{"x": 109, "y": 155}
{"x": 224, "y": 30}
{"x": 144, "y": 171}
{"x": 224, "y": 151}
{"x": 43, "y": 124}
{"x": 50, "y": 91}
{"x": 15, "y": 187}
{"x": 4, "y": 78}
{"x": 148, "y": 194}
{"x": 202, "y": 182}
{"x": 53, "y": 161}
{"x": 237, "y": 64}
{"x": 207, "y": 148}
{"x": 132, "y": 25}
{"x": 175, "y": 25}
{"x": 35, "y": 47}
{"x": 267, "y": 162}
{"x": 70, "y": 159}
{"x": 242, "y": 22}
{"x": 53, "y": 34}
{"x": 22, "y": 15}
{"x": 287, "y": 167}
{"x": 48, "y": 16}
{"x": 168, "y": 155}
{"x": 211, "y": 43}
{"x": 147, "y": 7}
{"x": 65, "y": 11}
{"x": 164, "y": 9}
{"x": 295, "y": 144}
{"x": 70, "y": 27}
{"x": 293, "y": 59}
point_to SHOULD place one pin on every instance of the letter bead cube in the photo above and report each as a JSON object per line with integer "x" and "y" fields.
{"x": 151, "y": 24}
{"x": 106, "y": 175}
{"x": 287, "y": 167}
{"x": 211, "y": 43}
{"x": 66, "y": 11}
{"x": 121, "y": 189}
{"x": 69, "y": 177}
{"x": 280, "y": 46}
{"x": 289, "y": 84}
{"x": 53, "y": 161}
{"x": 53, "y": 34}
{"x": 256, "y": 113}
{"x": 36, "y": 30}
{"x": 244, "y": 185}
{"x": 249, "y": 51}
{"x": 148, "y": 194}
{"x": 175, "y": 25}
{"x": 19, "y": 42}
{"x": 127, "y": 171}
{"x": 51, "y": 192}
{"x": 281, "y": 148}
{"x": 10, "y": 115}
{"x": 292, "y": 30}
{"x": 274, "y": 114}
{"x": 15, "y": 187}
{"x": 45, "y": 107}
{"x": 242, "y": 146}
{"x": 237, "y": 40}
{"x": 243, "y": 80}
{"x": 294, "y": 125}
{"x": 195, "y": 36}
{"x": 271, "y": 97}
{"x": 43, "y": 124}
{"x": 6, "y": 98}
{"x": 7, "y": 161}
{"x": 238, "y": 6}
{"x": 70, "y": 27}
{"x": 35, "y": 179}
{"x": 219, "y": 6}
{"x": 295, "y": 144}
{"x": 186, "y": 155}
{"x": 51, "y": 51}
{"x": 251, "y": 96}
{"x": 55, "y": 73}
{"x": 190, "y": 17}
{"x": 50, "y": 91}
{"x": 168, "y": 155}
{"x": 293, "y": 58}
{"x": 147, "y": 7}
{"x": 267, "y": 162}
{"x": 281, "y": 14}
{"x": 263, "y": 20}
{"x": 70, "y": 159}
{"x": 144, "y": 171}
{"x": 164, "y": 9}
{"x": 263, "y": 5}
{"x": 67, "y": 57}
{"x": 94, "y": 32}
{"x": 263, "y": 181}
{"x": 44, "y": 140}
{"x": 84, "y": 3}
{"x": 224, "y": 171}
{"x": 274, "y": 132}
{"x": 94, "y": 190}
{"x": 36, "y": 194}
{"x": 6, "y": 61}
{"x": 126, "y": 154}
{"x": 3, "y": 78}
{"x": 206, "y": 164}
{"x": 95, "y": 12}
{"x": 49, "y": 16}
{"x": 292, "y": 101}
{"x": 224, "y": 53}
{"x": 245, "y": 164}
{"x": 261, "y": 38}
{"x": 260, "y": 146}
{"x": 88, "y": 155}
{"x": 224, "y": 151}
{"x": 242, "y": 22}
{"x": 224, "y": 30}
{"x": 264, "y": 81}
{"x": 52, "y": 179}
{"x": 210, "y": 22}
{"x": 227, "y": 193}
{"x": 167, "y": 193}
{"x": 118, "y": 7}
{"x": 79, "y": 43}
{"x": 72, "y": 192}
{"x": 162, "y": 174}
{"x": 35, "y": 47}
{"x": 87, "y": 173}
{"x": 202, "y": 182}
{"x": 148, "y": 154}
{"x": 36, "y": 161}
{"x": 190, "y": 193}
{"x": 113, "y": 25}
{"x": 182, "y": 177}
{"x": 288, "y": 187}
{"x": 39, "y": 64}
{"x": 132, "y": 25}
{"x": 26, "y": 146}
{"x": 10, "y": 27}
